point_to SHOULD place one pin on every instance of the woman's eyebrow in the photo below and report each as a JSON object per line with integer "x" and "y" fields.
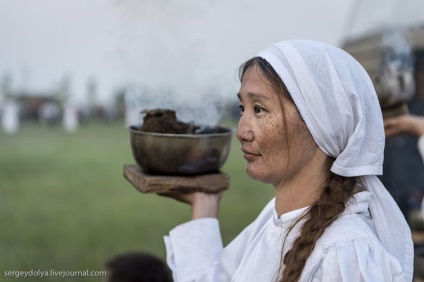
{"x": 253, "y": 96}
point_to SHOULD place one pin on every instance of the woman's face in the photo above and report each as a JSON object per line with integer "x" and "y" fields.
{"x": 275, "y": 141}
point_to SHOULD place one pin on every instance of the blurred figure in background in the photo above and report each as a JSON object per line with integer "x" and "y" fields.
{"x": 10, "y": 116}
{"x": 49, "y": 113}
{"x": 137, "y": 267}
{"x": 403, "y": 166}
{"x": 70, "y": 117}
{"x": 408, "y": 124}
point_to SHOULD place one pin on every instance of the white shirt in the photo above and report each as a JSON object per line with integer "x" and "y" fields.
{"x": 347, "y": 251}
{"x": 421, "y": 146}
{"x": 421, "y": 150}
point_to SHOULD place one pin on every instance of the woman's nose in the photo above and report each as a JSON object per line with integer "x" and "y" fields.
{"x": 244, "y": 131}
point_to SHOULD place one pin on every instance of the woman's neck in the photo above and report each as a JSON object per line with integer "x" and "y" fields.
{"x": 290, "y": 198}
{"x": 304, "y": 188}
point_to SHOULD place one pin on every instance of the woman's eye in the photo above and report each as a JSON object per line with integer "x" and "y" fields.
{"x": 241, "y": 109}
{"x": 258, "y": 109}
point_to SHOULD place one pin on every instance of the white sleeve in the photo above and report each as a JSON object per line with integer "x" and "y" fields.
{"x": 357, "y": 261}
{"x": 421, "y": 146}
{"x": 195, "y": 252}
{"x": 192, "y": 248}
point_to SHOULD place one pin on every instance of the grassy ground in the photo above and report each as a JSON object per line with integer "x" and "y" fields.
{"x": 66, "y": 206}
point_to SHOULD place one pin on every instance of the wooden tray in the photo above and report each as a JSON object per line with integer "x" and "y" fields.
{"x": 163, "y": 184}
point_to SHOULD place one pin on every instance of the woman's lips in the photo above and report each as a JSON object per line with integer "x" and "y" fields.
{"x": 249, "y": 156}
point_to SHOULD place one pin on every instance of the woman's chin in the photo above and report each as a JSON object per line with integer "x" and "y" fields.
{"x": 255, "y": 174}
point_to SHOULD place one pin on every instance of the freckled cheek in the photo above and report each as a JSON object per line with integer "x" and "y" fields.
{"x": 274, "y": 145}
{"x": 277, "y": 156}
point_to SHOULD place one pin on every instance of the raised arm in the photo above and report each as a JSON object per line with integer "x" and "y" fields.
{"x": 409, "y": 124}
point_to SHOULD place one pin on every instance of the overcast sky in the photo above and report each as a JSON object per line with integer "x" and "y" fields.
{"x": 187, "y": 45}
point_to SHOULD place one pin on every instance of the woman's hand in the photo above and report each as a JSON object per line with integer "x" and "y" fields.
{"x": 409, "y": 124}
{"x": 202, "y": 204}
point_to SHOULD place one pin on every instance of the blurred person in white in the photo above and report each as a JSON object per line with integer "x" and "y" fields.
{"x": 407, "y": 124}
{"x": 311, "y": 126}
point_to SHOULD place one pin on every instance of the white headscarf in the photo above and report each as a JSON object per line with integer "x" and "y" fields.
{"x": 338, "y": 102}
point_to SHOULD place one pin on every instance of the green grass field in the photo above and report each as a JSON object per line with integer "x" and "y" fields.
{"x": 66, "y": 206}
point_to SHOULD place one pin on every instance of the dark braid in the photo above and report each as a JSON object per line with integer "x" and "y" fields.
{"x": 320, "y": 215}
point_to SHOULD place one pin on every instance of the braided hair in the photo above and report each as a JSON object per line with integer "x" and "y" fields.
{"x": 319, "y": 216}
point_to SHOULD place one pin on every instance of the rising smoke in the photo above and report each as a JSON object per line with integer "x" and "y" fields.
{"x": 398, "y": 55}
{"x": 166, "y": 56}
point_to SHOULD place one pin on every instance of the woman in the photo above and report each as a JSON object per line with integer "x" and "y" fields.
{"x": 311, "y": 126}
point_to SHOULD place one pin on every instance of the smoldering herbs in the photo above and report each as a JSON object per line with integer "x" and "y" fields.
{"x": 165, "y": 121}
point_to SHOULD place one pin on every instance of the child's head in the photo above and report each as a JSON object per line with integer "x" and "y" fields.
{"x": 137, "y": 267}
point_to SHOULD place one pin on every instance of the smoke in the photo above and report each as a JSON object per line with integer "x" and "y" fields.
{"x": 398, "y": 55}
{"x": 202, "y": 108}
{"x": 166, "y": 56}
{"x": 396, "y": 71}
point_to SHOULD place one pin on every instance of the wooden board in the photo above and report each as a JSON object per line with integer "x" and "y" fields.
{"x": 162, "y": 184}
